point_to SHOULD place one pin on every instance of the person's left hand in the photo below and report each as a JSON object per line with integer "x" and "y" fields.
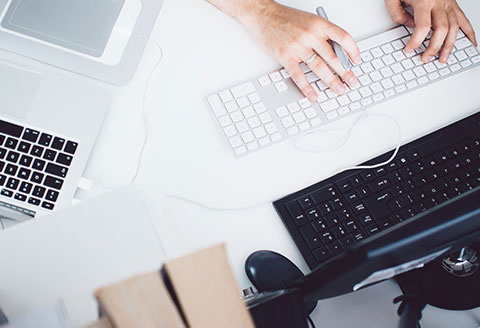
{"x": 446, "y": 18}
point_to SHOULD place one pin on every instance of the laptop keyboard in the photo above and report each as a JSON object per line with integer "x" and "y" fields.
{"x": 332, "y": 215}
{"x": 33, "y": 164}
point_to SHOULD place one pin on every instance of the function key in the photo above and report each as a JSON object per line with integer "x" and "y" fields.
{"x": 20, "y": 197}
{"x": 36, "y": 151}
{"x": 11, "y": 129}
{"x": 47, "y": 205}
{"x": 11, "y": 143}
{"x": 53, "y": 182}
{"x": 51, "y": 195}
{"x": 71, "y": 147}
{"x": 30, "y": 135}
{"x": 45, "y": 139}
{"x": 49, "y": 154}
{"x": 58, "y": 143}
{"x": 6, "y": 193}
{"x": 38, "y": 191}
{"x": 38, "y": 164}
{"x": 24, "y": 147}
{"x": 34, "y": 201}
{"x": 64, "y": 159}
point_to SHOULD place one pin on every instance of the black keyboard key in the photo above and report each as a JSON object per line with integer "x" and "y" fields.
{"x": 34, "y": 201}
{"x": 2, "y": 165}
{"x": 50, "y": 154}
{"x": 48, "y": 206}
{"x": 372, "y": 229}
{"x": 53, "y": 182}
{"x": 334, "y": 248}
{"x": 6, "y": 193}
{"x": 344, "y": 185}
{"x": 351, "y": 226}
{"x": 38, "y": 191}
{"x": 25, "y": 160}
{"x": 311, "y": 237}
{"x": 62, "y": 172}
{"x": 323, "y": 195}
{"x": 380, "y": 184}
{"x": 358, "y": 208}
{"x": 3, "y": 153}
{"x": 368, "y": 175}
{"x": 64, "y": 159}
{"x": 23, "y": 147}
{"x": 20, "y": 197}
{"x": 26, "y": 187}
{"x": 36, "y": 151}
{"x": 11, "y": 169}
{"x": 378, "y": 204}
{"x": 332, "y": 220}
{"x": 30, "y": 135}
{"x": 45, "y": 139}
{"x": 359, "y": 236}
{"x": 365, "y": 219}
{"x": 38, "y": 164}
{"x": 24, "y": 173}
{"x": 356, "y": 181}
{"x": 13, "y": 156}
{"x": 11, "y": 143}
{"x": 70, "y": 147}
{"x": 2, "y": 179}
{"x": 313, "y": 214}
{"x": 51, "y": 195}
{"x": 379, "y": 171}
{"x": 58, "y": 143}
{"x": 11, "y": 129}
{"x": 37, "y": 177}
{"x": 297, "y": 214}
{"x": 320, "y": 225}
{"x": 321, "y": 254}
{"x": 352, "y": 196}
{"x": 305, "y": 202}
{"x": 12, "y": 183}
{"x": 2, "y": 139}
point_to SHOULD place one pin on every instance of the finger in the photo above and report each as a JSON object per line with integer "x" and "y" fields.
{"x": 466, "y": 27}
{"x": 300, "y": 80}
{"x": 440, "y": 31}
{"x": 328, "y": 55}
{"x": 320, "y": 68}
{"x": 345, "y": 40}
{"x": 398, "y": 13}
{"x": 423, "y": 24}
{"x": 451, "y": 36}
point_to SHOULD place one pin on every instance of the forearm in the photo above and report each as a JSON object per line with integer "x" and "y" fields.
{"x": 242, "y": 10}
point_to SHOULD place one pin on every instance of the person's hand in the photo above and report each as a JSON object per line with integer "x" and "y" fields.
{"x": 292, "y": 36}
{"x": 444, "y": 16}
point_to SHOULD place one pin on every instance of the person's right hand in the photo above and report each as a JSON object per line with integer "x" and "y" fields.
{"x": 292, "y": 36}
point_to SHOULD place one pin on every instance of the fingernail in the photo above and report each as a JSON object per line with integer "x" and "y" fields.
{"x": 339, "y": 89}
{"x": 444, "y": 57}
{"x": 357, "y": 60}
{"x": 352, "y": 81}
{"x": 312, "y": 96}
{"x": 427, "y": 59}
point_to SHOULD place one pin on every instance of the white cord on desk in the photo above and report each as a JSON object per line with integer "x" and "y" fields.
{"x": 360, "y": 167}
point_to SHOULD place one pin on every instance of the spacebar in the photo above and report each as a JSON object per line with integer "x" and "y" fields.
{"x": 379, "y": 39}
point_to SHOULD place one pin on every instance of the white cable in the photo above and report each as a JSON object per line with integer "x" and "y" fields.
{"x": 233, "y": 209}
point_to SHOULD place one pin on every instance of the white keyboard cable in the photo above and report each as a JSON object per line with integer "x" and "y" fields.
{"x": 320, "y": 130}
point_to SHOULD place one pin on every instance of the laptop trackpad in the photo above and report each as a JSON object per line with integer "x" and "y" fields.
{"x": 18, "y": 88}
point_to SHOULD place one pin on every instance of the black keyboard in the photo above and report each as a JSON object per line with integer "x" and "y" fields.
{"x": 332, "y": 215}
{"x": 33, "y": 164}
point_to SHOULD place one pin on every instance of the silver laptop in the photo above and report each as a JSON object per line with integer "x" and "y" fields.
{"x": 49, "y": 118}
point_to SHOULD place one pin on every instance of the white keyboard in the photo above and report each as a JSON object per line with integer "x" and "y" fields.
{"x": 270, "y": 109}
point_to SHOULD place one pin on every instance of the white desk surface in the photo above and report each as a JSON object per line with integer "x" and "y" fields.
{"x": 205, "y": 51}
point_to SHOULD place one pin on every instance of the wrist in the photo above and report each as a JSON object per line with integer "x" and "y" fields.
{"x": 249, "y": 11}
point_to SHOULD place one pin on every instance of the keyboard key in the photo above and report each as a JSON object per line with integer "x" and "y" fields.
{"x": 58, "y": 143}
{"x": 30, "y": 135}
{"x": 6, "y": 193}
{"x": 13, "y": 156}
{"x": 34, "y": 201}
{"x": 45, "y": 139}
{"x": 36, "y": 151}
{"x": 12, "y": 183}
{"x": 24, "y": 173}
{"x": 264, "y": 81}
{"x": 329, "y": 105}
{"x": 20, "y": 197}
{"x": 25, "y": 160}
{"x": 11, "y": 129}
{"x": 38, "y": 164}
{"x": 71, "y": 147}
{"x": 26, "y": 187}
{"x": 11, "y": 169}
{"x": 23, "y": 147}
{"x": 53, "y": 182}
{"x": 3, "y": 179}
{"x": 38, "y": 191}
{"x": 48, "y": 206}
{"x": 281, "y": 86}
{"x": 11, "y": 143}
